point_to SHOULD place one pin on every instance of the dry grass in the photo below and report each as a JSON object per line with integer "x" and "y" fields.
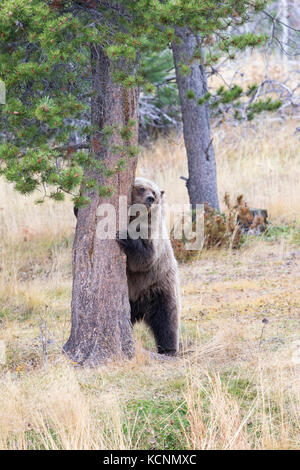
{"x": 220, "y": 420}
{"x": 49, "y": 410}
{"x": 236, "y": 383}
{"x": 22, "y": 219}
{"x": 256, "y": 67}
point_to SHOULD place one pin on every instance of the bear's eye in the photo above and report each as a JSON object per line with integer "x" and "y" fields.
{"x": 141, "y": 190}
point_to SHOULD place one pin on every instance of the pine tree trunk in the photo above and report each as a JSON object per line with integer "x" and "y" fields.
{"x": 202, "y": 180}
{"x": 101, "y": 327}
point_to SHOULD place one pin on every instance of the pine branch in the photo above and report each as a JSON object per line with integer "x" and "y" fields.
{"x": 274, "y": 19}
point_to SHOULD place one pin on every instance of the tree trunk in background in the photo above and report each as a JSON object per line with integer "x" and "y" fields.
{"x": 202, "y": 180}
{"x": 283, "y": 15}
{"x": 101, "y": 327}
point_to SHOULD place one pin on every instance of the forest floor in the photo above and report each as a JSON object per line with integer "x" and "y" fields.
{"x": 235, "y": 384}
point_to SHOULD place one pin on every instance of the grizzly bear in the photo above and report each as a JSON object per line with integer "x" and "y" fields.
{"x": 152, "y": 271}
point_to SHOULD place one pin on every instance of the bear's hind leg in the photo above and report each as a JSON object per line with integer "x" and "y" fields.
{"x": 138, "y": 308}
{"x": 162, "y": 318}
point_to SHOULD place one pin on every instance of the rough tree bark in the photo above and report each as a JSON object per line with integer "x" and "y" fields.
{"x": 101, "y": 327}
{"x": 202, "y": 180}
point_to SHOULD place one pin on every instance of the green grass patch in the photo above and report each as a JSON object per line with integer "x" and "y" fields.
{"x": 278, "y": 232}
{"x": 158, "y": 422}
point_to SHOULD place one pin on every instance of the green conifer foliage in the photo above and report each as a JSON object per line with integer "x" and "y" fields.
{"x": 45, "y": 62}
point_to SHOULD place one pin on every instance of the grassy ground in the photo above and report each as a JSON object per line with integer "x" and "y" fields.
{"x": 235, "y": 385}
{"x": 236, "y": 382}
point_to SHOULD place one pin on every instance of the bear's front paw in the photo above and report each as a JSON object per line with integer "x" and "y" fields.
{"x": 121, "y": 238}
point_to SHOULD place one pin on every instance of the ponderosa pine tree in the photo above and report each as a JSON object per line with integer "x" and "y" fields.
{"x": 68, "y": 62}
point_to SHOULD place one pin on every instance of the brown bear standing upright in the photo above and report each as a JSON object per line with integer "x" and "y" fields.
{"x": 152, "y": 271}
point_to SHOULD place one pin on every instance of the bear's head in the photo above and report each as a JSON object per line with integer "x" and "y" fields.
{"x": 146, "y": 192}
{"x": 148, "y": 219}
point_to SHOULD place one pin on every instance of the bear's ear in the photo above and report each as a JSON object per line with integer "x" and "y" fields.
{"x": 162, "y": 193}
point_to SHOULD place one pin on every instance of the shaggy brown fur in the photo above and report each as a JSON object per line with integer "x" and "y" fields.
{"x": 152, "y": 269}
